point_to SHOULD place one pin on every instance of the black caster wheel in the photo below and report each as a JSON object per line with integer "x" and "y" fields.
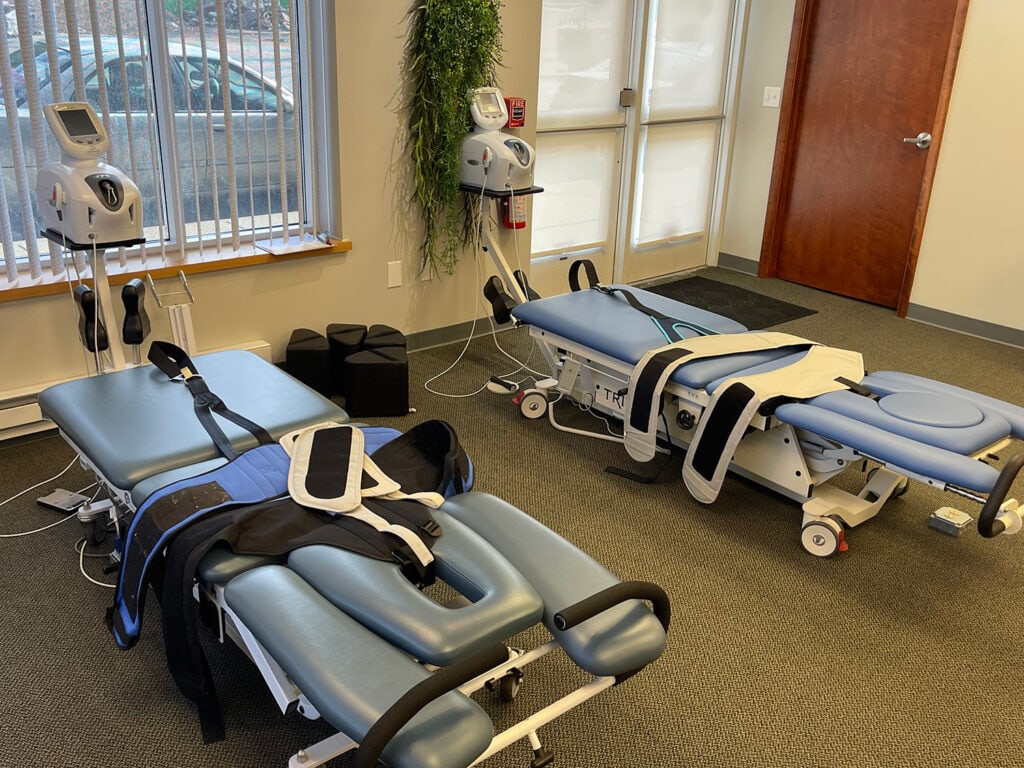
{"x": 507, "y": 686}
{"x": 96, "y": 531}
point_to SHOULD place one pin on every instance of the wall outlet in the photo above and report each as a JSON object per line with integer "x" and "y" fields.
{"x": 394, "y": 274}
{"x": 772, "y": 96}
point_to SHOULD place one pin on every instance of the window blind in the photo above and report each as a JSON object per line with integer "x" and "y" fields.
{"x": 201, "y": 100}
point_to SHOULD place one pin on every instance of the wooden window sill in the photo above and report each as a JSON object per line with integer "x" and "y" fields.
{"x": 248, "y": 256}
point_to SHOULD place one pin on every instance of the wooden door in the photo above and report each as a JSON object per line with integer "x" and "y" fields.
{"x": 849, "y": 195}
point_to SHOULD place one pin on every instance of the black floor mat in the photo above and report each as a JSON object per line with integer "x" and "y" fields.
{"x": 751, "y": 309}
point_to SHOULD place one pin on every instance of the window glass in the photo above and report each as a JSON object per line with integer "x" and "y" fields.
{"x": 687, "y": 56}
{"x": 584, "y": 57}
{"x": 674, "y": 185}
{"x": 579, "y": 174}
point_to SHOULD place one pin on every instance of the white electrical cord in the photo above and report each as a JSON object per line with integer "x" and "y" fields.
{"x": 37, "y": 530}
{"x": 472, "y": 329}
{"x": 50, "y": 525}
{"x": 44, "y": 482}
{"x": 521, "y": 366}
{"x": 80, "y": 549}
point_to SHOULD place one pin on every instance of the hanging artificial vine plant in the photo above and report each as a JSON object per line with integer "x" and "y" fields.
{"x": 453, "y": 47}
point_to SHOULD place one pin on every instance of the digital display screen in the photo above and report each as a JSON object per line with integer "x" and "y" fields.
{"x": 488, "y": 104}
{"x": 77, "y": 122}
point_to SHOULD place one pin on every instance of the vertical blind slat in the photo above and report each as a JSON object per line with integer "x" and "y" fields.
{"x": 31, "y": 78}
{"x": 71, "y": 17}
{"x": 226, "y": 111}
{"x": 211, "y": 148}
{"x": 6, "y": 232}
{"x": 306, "y": 91}
{"x": 293, "y": 42}
{"x": 282, "y": 162}
{"x": 266, "y": 131}
{"x": 250, "y": 176}
{"x": 188, "y": 96}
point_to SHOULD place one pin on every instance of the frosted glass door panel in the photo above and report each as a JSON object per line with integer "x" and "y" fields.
{"x": 583, "y": 62}
{"x": 674, "y": 183}
{"x": 579, "y": 172}
{"x": 687, "y": 55}
{"x": 574, "y": 217}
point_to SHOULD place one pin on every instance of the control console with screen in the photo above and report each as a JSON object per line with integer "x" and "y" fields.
{"x": 488, "y": 109}
{"x": 78, "y": 130}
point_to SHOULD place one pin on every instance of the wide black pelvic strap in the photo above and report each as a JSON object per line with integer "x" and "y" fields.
{"x": 175, "y": 362}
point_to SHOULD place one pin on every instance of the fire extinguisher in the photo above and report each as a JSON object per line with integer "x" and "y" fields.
{"x": 513, "y": 210}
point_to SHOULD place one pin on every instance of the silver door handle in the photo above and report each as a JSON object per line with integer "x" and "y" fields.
{"x": 923, "y": 140}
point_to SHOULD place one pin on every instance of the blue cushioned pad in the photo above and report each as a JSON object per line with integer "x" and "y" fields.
{"x": 918, "y": 424}
{"x": 352, "y": 676}
{"x": 886, "y": 446}
{"x": 963, "y": 440}
{"x": 621, "y": 639}
{"x": 607, "y": 324}
{"x": 220, "y": 565}
{"x": 501, "y": 601}
{"x": 886, "y": 382}
{"x": 173, "y": 437}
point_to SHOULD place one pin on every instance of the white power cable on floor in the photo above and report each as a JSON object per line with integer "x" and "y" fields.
{"x": 44, "y": 482}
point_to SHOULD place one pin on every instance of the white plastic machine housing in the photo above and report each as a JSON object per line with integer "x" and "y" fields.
{"x": 82, "y": 199}
{"x": 495, "y": 161}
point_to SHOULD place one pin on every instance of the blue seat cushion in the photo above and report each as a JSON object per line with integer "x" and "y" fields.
{"x": 917, "y": 424}
{"x": 622, "y": 639}
{"x": 352, "y": 676}
{"x": 502, "y": 602}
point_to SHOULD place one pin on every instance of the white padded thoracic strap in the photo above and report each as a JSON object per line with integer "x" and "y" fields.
{"x": 426, "y": 498}
{"x": 736, "y": 401}
{"x": 375, "y": 482}
{"x": 288, "y": 441}
{"x": 327, "y": 468}
{"x": 330, "y": 471}
{"x": 645, "y": 390}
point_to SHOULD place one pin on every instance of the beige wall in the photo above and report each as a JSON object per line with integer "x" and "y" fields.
{"x": 971, "y": 261}
{"x": 39, "y": 341}
{"x": 972, "y": 254}
{"x": 753, "y": 149}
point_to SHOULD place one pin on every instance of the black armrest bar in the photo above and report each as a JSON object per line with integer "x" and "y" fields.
{"x": 988, "y": 526}
{"x": 421, "y": 694}
{"x": 601, "y": 601}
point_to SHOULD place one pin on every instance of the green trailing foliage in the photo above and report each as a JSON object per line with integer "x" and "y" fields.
{"x": 453, "y": 47}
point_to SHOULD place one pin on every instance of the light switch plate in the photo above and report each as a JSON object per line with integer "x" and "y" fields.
{"x": 394, "y": 274}
{"x": 772, "y": 96}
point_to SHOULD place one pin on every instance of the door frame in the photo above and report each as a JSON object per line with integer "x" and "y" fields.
{"x": 786, "y": 143}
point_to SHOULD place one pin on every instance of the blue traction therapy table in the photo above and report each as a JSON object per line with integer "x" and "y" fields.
{"x": 348, "y": 638}
{"x": 595, "y": 340}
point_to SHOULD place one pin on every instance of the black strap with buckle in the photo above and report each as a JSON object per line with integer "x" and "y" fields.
{"x": 175, "y": 362}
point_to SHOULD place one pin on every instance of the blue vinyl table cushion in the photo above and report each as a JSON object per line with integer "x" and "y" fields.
{"x": 136, "y": 423}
